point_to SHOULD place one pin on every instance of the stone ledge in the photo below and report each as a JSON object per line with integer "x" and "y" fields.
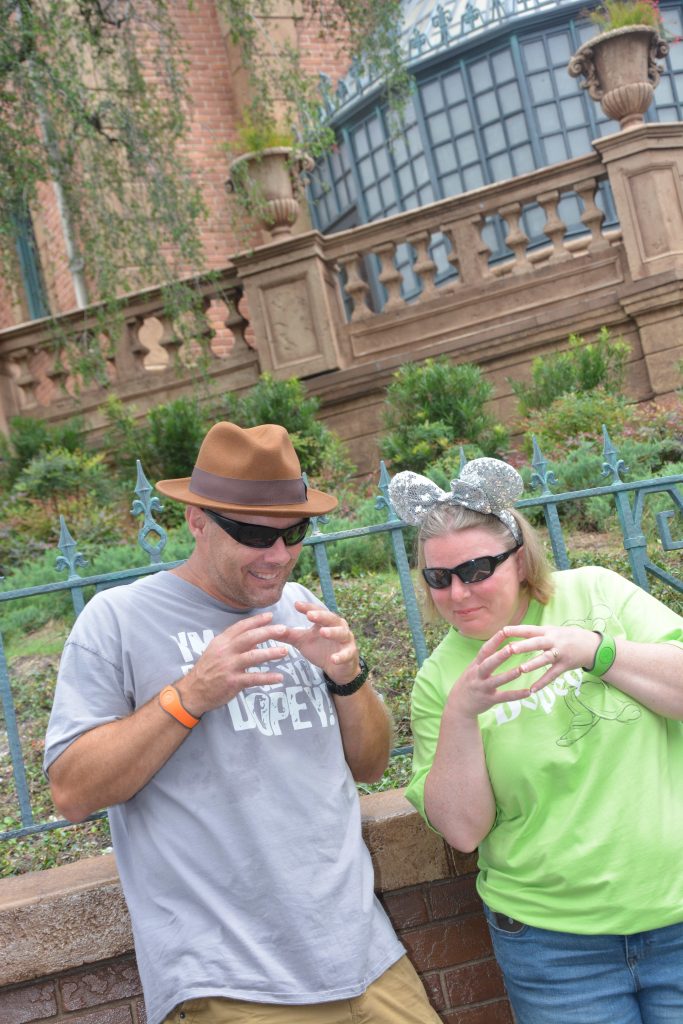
{"x": 65, "y": 917}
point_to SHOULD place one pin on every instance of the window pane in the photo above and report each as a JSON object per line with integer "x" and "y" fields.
{"x": 439, "y": 128}
{"x": 487, "y": 106}
{"x": 467, "y": 149}
{"x": 555, "y": 149}
{"x": 503, "y": 68}
{"x": 366, "y": 172}
{"x": 501, "y": 167}
{"x": 509, "y": 98}
{"x": 534, "y": 55}
{"x": 494, "y": 139}
{"x": 460, "y": 118}
{"x": 480, "y": 74}
{"x": 559, "y": 48}
{"x": 573, "y": 112}
{"x": 523, "y": 159}
{"x": 453, "y": 88}
{"x": 451, "y": 185}
{"x": 517, "y": 128}
{"x": 548, "y": 118}
{"x": 541, "y": 87}
{"x": 473, "y": 177}
{"x": 431, "y": 96}
{"x": 579, "y": 142}
{"x": 444, "y": 157}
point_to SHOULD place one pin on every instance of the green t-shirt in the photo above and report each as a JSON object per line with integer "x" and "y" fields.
{"x": 588, "y": 782}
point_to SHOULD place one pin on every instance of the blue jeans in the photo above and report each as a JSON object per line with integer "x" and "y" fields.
{"x": 554, "y": 977}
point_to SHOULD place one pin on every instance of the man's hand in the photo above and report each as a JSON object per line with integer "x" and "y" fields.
{"x": 328, "y": 642}
{"x": 223, "y": 669}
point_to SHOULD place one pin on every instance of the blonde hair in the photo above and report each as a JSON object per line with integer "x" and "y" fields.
{"x": 446, "y": 518}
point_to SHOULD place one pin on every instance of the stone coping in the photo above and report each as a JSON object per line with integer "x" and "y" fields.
{"x": 62, "y": 918}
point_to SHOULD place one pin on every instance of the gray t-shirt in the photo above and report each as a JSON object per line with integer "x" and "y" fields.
{"x": 241, "y": 860}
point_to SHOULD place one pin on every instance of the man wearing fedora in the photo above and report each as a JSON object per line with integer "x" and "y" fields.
{"x": 222, "y": 714}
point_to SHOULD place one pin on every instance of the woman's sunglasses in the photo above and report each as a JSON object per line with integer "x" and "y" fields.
{"x": 253, "y": 536}
{"x": 474, "y": 571}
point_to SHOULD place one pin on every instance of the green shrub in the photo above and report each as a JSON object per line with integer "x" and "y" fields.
{"x": 30, "y": 437}
{"x": 574, "y": 417}
{"x": 579, "y": 368}
{"x": 166, "y": 441}
{"x": 322, "y": 454}
{"x": 433, "y": 406}
{"x": 58, "y": 472}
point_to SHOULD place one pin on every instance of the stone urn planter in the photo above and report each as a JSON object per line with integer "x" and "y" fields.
{"x": 621, "y": 71}
{"x": 268, "y": 185}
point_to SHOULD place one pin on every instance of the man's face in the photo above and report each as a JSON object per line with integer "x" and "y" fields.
{"x": 242, "y": 576}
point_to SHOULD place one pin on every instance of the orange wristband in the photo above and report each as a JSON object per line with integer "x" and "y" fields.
{"x": 170, "y": 701}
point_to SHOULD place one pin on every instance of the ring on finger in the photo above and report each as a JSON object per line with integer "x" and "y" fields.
{"x": 554, "y": 654}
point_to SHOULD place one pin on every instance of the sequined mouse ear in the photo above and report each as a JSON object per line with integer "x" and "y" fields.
{"x": 413, "y": 496}
{"x": 500, "y": 482}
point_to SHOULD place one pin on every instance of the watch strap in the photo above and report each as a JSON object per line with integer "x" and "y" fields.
{"x": 169, "y": 700}
{"x": 605, "y": 655}
{"x": 346, "y": 689}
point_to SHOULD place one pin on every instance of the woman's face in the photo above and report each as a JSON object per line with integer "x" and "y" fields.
{"x": 478, "y": 610}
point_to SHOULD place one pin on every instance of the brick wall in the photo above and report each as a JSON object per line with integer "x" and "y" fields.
{"x": 67, "y": 947}
{"x": 212, "y": 116}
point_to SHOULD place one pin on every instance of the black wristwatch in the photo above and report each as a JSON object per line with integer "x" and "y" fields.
{"x": 348, "y": 688}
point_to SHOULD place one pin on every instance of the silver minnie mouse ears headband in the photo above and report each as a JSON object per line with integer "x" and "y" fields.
{"x": 484, "y": 485}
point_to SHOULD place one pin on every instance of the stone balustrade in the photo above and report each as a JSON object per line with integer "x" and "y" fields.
{"x": 141, "y": 354}
{"x": 496, "y": 276}
{"x": 465, "y": 227}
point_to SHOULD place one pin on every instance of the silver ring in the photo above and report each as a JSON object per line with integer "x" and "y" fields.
{"x": 554, "y": 654}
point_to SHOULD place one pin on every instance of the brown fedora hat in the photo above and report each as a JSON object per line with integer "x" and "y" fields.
{"x": 254, "y": 470}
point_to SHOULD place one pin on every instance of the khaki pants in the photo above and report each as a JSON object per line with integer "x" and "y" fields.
{"x": 397, "y": 997}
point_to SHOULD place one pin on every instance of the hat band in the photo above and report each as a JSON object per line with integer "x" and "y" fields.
{"x": 247, "y": 492}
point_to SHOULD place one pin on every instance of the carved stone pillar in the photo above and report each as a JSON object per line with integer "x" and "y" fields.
{"x": 645, "y": 167}
{"x": 294, "y": 307}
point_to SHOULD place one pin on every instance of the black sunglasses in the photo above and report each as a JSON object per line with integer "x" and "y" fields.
{"x": 474, "y": 571}
{"x": 253, "y": 536}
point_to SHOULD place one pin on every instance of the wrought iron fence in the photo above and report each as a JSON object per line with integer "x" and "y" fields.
{"x": 629, "y": 498}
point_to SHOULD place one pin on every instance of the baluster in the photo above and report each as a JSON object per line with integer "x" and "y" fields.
{"x": 235, "y": 321}
{"x": 356, "y": 288}
{"x": 592, "y": 215}
{"x": 25, "y": 381}
{"x": 470, "y": 253}
{"x": 424, "y": 266}
{"x": 58, "y": 374}
{"x": 170, "y": 341}
{"x": 390, "y": 277}
{"x": 516, "y": 239}
{"x": 136, "y": 346}
{"x": 554, "y": 226}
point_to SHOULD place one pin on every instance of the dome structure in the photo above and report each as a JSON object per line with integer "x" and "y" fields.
{"x": 492, "y": 100}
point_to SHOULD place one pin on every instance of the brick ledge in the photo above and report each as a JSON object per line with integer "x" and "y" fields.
{"x": 59, "y": 919}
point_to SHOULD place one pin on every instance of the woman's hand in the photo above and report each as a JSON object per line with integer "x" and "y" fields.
{"x": 555, "y": 648}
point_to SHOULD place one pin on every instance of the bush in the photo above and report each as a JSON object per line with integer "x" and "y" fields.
{"x": 321, "y": 452}
{"x": 166, "y": 441}
{"x": 432, "y": 407}
{"x": 29, "y": 438}
{"x": 571, "y": 419}
{"x": 579, "y": 368}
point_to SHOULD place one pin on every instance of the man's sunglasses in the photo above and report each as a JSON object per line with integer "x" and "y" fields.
{"x": 474, "y": 571}
{"x": 253, "y": 536}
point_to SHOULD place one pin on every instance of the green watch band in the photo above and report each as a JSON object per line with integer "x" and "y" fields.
{"x": 604, "y": 656}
